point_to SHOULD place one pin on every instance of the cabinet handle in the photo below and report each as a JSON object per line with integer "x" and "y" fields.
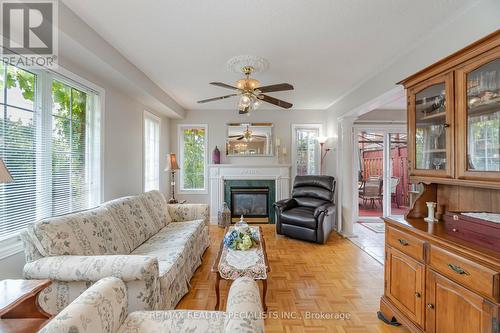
{"x": 430, "y": 306}
{"x": 458, "y": 269}
{"x": 417, "y": 295}
{"x": 403, "y": 242}
{"x": 446, "y": 125}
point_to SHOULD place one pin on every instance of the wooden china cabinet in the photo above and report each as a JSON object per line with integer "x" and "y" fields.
{"x": 436, "y": 281}
{"x": 453, "y": 118}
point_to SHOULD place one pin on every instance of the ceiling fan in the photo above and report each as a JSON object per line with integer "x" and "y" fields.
{"x": 247, "y": 135}
{"x": 251, "y": 93}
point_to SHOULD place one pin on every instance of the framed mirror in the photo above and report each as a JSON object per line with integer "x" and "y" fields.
{"x": 249, "y": 139}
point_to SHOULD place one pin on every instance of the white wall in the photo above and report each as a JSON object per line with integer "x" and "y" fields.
{"x": 217, "y": 120}
{"x": 381, "y": 115}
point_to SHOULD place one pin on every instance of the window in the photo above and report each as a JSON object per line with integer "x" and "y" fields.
{"x": 193, "y": 156}
{"x": 49, "y": 140}
{"x": 305, "y": 149}
{"x": 151, "y": 152}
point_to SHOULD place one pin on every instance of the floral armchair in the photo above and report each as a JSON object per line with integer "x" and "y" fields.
{"x": 103, "y": 309}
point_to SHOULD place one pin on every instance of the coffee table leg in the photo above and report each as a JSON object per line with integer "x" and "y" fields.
{"x": 217, "y": 290}
{"x": 264, "y": 293}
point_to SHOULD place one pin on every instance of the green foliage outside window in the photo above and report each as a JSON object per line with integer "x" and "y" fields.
{"x": 193, "y": 158}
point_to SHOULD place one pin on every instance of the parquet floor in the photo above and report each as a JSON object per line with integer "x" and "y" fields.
{"x": 306, "y": 281}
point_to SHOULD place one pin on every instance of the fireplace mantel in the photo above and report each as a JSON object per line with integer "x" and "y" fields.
{"x": 280, "y": 173}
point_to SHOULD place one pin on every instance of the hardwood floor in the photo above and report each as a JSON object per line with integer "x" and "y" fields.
{"x": 306, "y": 278}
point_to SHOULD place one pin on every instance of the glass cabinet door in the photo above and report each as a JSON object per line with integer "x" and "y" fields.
{"x": 431, "y": 126}
{"x": 479, "y": 117}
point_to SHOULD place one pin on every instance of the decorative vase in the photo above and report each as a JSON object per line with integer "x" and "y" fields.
{"x": 224, "y": 218}
{"x": 216, "y": 156}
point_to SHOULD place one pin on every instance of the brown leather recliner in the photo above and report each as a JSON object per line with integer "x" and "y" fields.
{"x": 310, "y": 214}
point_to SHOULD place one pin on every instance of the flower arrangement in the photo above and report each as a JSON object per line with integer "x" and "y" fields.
{"x": 241, "y": 238}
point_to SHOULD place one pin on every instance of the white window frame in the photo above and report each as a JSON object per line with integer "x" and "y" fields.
{"x": 294, "y": 145}
{"x": 13, "y": 245}
{"x": 180, "y": 140}
{"x": 147, "y": 114}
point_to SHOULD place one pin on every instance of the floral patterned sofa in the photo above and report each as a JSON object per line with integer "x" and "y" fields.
{"x": 103, "y": 309}
{"x": 150, "y": 245}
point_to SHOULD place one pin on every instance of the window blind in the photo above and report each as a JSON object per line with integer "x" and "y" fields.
{"x": 45, "y": 125}
{"x": 151, "y": 152}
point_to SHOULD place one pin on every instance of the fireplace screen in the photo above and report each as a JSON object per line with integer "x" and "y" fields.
{"x": 250, "y": 202}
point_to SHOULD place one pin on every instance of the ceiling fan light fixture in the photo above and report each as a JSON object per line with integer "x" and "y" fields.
{"x": 247, "y": 84}
{"x": 245, "y": 101}
{"x": 256, "y": 103}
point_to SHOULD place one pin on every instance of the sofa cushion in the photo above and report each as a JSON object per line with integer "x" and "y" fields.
{"x": 133, "y": 219}
{"x": 91, "y": 232}
{"x": 157, "y": 207}
{"x": 178, "y": 250}
{"x": 174, "y": 321}
{"x": 300, "y": 216}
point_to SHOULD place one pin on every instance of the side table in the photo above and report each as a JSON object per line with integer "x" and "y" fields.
{"x": 19, "y": 308}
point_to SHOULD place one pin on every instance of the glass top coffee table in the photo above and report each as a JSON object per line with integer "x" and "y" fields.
{"x": 253, "y": 263}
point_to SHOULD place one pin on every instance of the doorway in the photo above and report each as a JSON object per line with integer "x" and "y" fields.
{"x": 381, "y": 154}
{"x": 382, "y": 167}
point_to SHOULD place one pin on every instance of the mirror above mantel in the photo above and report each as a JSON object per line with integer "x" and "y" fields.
{"x": 249, "y": 139}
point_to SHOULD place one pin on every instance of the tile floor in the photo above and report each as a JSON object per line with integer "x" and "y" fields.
{"x": 369, "y": 241}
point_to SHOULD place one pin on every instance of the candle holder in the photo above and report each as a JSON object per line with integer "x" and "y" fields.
{"x": 431, "y": 206}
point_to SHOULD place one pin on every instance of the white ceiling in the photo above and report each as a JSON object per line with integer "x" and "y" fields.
{"x": 325, "y": 48}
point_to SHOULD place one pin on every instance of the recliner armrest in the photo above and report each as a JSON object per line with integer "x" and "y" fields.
{"x": 327, "y": 209}
{"x": 285, "y": 204}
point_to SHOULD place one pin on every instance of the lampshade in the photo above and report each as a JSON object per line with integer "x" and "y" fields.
{"x": 172, "y": 163}
{"x": 5, "y": 176}
{"x": 322, "y": 139}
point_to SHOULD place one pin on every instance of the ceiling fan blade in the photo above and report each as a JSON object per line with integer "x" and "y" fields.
{"x": 223, "y": 85}
{"x": 240, "y": 138}
{"x": 276, "y": 87}
{"x": 276, "y": 101}
{"x": 216, "y": 98}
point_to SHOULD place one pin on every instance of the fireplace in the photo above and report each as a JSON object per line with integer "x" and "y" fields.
{"x": 252, "y": 198}
{"x": 251, "y": 202}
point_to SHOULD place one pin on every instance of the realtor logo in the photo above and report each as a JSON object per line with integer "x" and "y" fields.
{"x": 29, "y": 32}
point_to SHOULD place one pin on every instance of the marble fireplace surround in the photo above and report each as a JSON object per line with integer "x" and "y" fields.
{"x": 218, "y": 173}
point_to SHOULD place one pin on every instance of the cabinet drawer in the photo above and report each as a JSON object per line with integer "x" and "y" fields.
{"x": 468, "y": 273}
{"x": 406, "y": 243}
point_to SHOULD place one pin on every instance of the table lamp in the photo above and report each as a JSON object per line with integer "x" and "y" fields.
{"x": 5, "y": 176}
{"x": 172, "y": 166}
